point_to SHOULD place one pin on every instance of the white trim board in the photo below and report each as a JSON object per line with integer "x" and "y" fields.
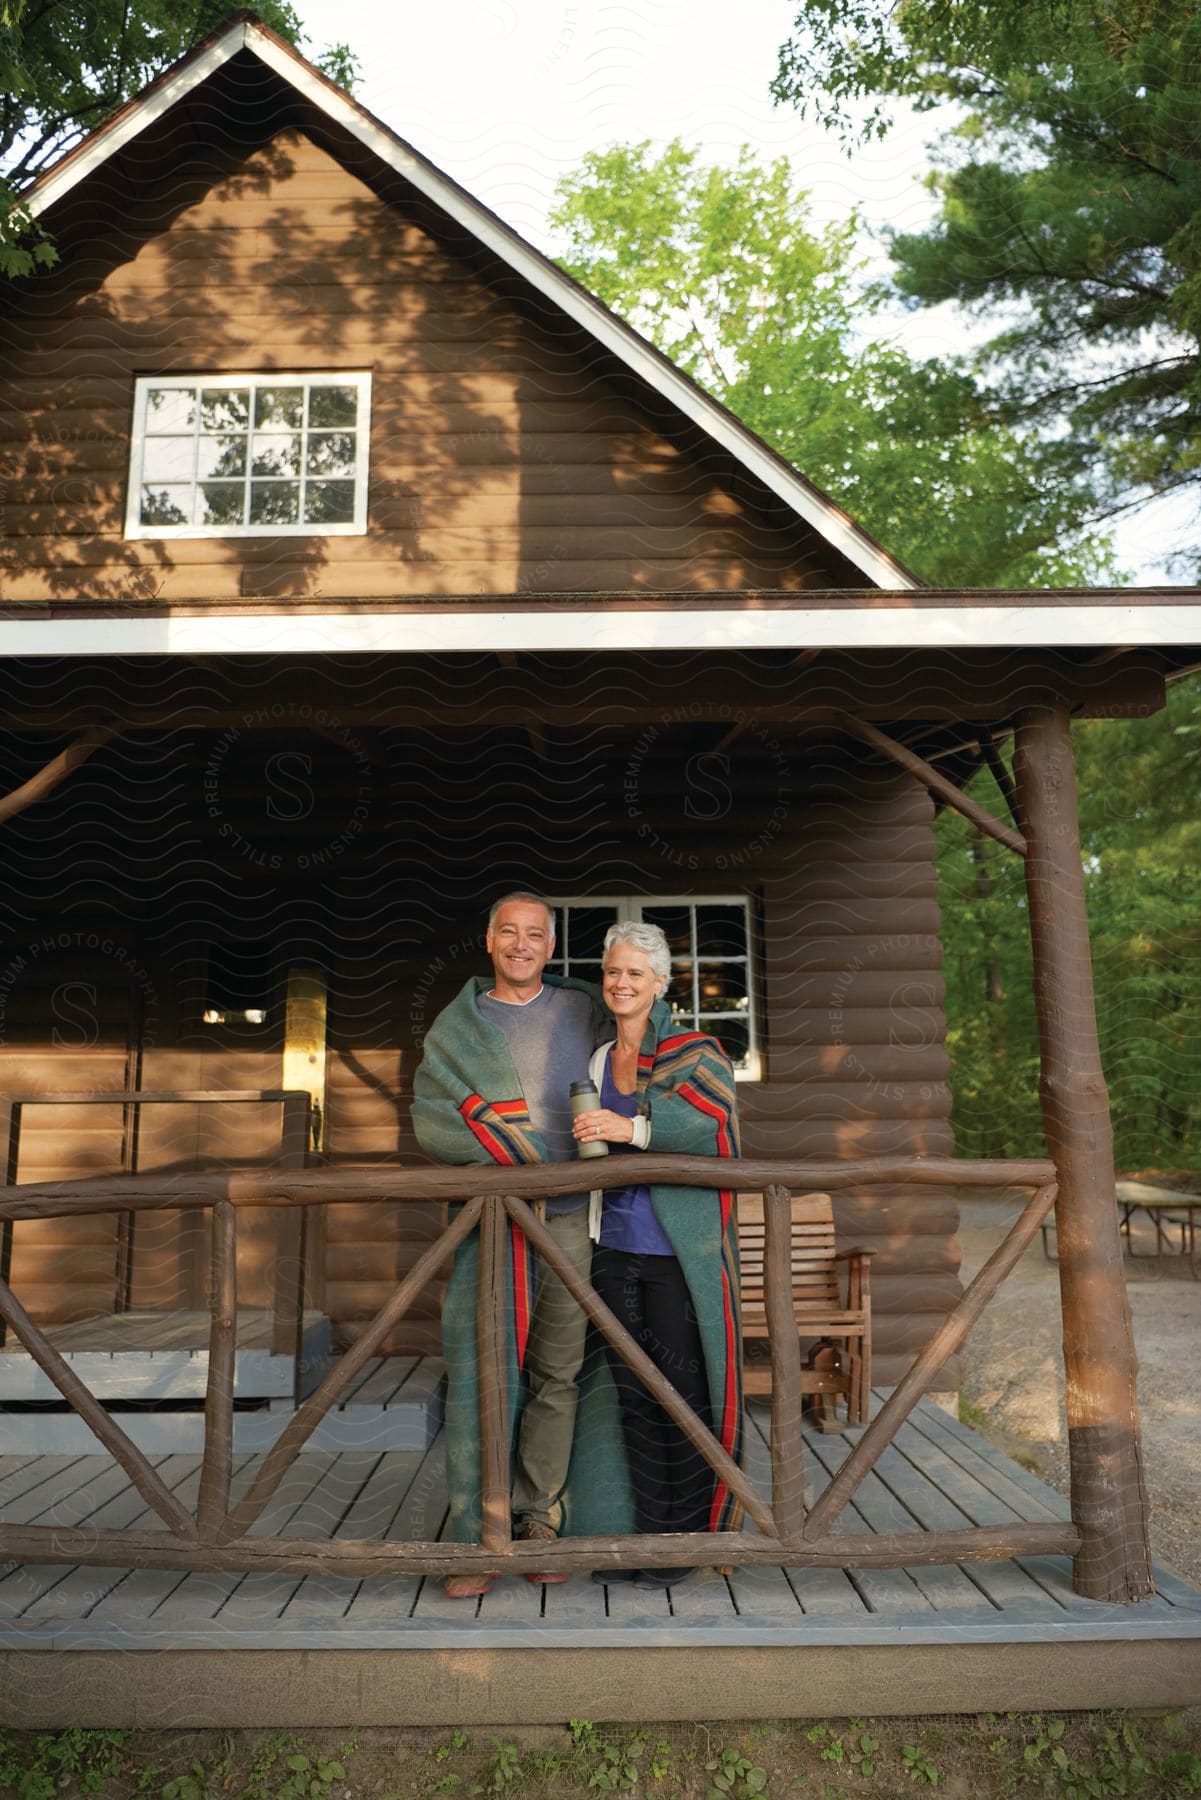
{"x": 438, "y": 631}
{"x": 807, "y": 501}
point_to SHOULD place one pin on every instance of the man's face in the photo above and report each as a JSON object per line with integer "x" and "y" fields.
{"x": 519, "y": 942}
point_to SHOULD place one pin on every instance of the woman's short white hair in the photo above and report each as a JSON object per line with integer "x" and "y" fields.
{"x": 647, "y": 938}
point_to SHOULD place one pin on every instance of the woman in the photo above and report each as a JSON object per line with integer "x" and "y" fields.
{"x": 666, "y": 1262}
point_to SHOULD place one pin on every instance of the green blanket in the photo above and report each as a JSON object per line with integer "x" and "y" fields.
{"x": 468, "y": 1108}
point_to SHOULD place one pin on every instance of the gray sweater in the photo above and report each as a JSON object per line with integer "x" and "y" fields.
{"x": 550, "y": 1040}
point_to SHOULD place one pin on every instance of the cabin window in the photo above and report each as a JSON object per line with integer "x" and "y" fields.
{"x": 711, "y": 948}
{"x": 249, "y": 456}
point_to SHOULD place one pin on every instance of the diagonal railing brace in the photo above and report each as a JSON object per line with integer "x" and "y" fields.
{"x": 945, "y": 1342}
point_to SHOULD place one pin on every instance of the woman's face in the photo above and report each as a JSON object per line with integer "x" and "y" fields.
{"x": 630, "y": 984}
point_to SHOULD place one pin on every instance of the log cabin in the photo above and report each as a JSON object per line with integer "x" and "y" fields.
{"x": 358, "y": 566}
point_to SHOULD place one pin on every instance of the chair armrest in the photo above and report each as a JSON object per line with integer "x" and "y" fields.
{"x": 859, "y": 1277}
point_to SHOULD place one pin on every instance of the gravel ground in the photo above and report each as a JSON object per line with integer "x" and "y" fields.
{"x": 1014, "y": 1372}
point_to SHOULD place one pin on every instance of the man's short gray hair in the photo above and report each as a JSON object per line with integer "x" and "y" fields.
{"x": 647, "y": 938}
{"x": 527, "y": 899}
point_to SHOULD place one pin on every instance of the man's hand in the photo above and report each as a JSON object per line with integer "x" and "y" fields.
{"x": 611, "y": 1126}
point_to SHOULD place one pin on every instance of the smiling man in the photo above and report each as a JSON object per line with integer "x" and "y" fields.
{"x": 494, "y": 1086}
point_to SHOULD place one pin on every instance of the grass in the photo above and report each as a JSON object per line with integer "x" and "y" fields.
{"x": 1074, "y": 1756}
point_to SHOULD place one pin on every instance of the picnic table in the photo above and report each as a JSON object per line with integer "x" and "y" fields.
{"x": 1167, "y": 1211}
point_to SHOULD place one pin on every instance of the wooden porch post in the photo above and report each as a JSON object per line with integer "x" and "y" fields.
{"x": 1109, "y": 1501}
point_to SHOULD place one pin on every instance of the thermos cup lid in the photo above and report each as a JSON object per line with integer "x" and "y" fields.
{"x": 583, "y": 1087}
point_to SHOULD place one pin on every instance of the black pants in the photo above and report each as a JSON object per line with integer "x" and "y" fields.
{"x": 673, "y": 1484}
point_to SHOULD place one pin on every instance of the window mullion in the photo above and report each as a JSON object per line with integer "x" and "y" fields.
{"x": 251, "y": 412}
{"x": 195, "y": 495}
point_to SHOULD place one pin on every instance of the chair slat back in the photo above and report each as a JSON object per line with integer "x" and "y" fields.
{"x": 814, "y": 1273}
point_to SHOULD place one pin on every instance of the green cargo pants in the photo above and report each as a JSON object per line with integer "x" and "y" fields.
{"x": 554, "y": 1357}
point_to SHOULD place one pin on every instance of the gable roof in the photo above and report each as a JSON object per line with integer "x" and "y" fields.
{"x": 245, "y": 32}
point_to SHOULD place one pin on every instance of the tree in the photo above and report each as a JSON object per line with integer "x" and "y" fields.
{"x": 66, "y": 65}
{"x": 1069, "y": 193}
{"x": 725, "y": 272}
{"x": 1140, "y": 838}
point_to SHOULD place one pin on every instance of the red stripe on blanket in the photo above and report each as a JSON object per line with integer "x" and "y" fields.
{"x": 511, "y": 1107}
{"x": 521, "y": 1294}
{"x": 729, "y": 1416}
{"x": 491, "y": 1143}
{"x": 711, "y": 1109}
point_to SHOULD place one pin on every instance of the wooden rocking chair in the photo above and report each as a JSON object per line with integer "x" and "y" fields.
{"x": 839, "y": 1361}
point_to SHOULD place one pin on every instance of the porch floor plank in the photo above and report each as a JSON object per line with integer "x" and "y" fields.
{"x": 419, "y": 1515}
{"x": 937, "y": 1474}
{"x": 384, "y": 1383}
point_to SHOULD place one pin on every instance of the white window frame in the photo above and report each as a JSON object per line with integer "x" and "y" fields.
{"x": 359, "y": 379}
{"x": 629, "y": 906}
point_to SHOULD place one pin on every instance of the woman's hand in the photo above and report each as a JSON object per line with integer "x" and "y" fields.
{"x": 612, "y": 1127}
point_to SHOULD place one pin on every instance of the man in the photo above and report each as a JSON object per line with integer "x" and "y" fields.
{"x": 493, "y": 1086}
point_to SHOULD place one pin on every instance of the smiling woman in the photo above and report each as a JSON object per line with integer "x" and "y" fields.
{"x": 666, "y": 1261}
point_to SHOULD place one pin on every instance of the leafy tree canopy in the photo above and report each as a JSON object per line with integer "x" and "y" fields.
{"x": 1069, "y": 195}
{"x": 725, "y": 271}
{"x": 66, "y": 65}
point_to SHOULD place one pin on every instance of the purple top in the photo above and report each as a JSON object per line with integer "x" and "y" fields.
{"x": 628, "y": 1221}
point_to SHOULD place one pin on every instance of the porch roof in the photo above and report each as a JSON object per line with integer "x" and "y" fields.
{"x": 747, "y": 619}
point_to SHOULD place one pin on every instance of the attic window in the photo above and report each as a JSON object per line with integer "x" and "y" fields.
{"x": 249, "y": 456}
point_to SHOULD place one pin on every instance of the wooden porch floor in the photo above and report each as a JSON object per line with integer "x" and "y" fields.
{"x": 939, "y": 1474}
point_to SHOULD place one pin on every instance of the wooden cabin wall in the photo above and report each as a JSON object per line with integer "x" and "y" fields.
{"x": 73, "y": 1010}
{"x": 506, "y": 456}
{"x": 847, "y": 979}
{"x": 836, "y": 855}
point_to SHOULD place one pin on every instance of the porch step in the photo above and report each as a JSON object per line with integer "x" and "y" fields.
{"x": 148, "y": 1355}
{"x": 394, "y": 1404}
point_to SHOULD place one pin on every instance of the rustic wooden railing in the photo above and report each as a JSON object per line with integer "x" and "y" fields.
{"x": 215, "y": 1539}
{"x": 287, "y": 1306}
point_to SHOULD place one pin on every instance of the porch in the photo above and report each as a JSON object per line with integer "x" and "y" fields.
{"x": 759, "y": 1641}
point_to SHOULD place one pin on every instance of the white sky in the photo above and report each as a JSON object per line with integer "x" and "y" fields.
{"x": 508, "y": 95}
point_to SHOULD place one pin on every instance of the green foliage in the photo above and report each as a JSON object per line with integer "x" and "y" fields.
{"x": 283, "y": 1770}
{"x": 1141, "y": 842}
{"x": 66, "y": 65}
{"x": 731, "y": 1773}
{"x": 724, "y": 270}
{"x": 40, "y": 1768}
{"x": 917, "y": 1765}
{"x": 1069, "y": 195}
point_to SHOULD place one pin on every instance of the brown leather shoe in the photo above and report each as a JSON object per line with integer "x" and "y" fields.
{"x": 533, "y": 1531}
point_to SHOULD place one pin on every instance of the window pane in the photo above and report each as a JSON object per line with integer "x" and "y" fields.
{"x": 331, "y": 453}
{"x": 587, "y": 926}
{"x": 721, "y": 930}
{"x": 276, "y": 454}
{"x": 676, "y": 922}
{"x": 723, "y": 987}
{"x": 333, "y": 406}
{"x": 166, "y": 506}
{"x": 222, "y": 503}
{"x": 734, "y": 1036}
{"x": 279, "y": 408}
{"x": 274, "y": 502}
{"x": 329, "y": 503}
{"x": 586, "y": 971}
{"x": 168, "y": 459}
{"x": 220, "y": 456}
{"x": 679, "y": 992}
{"x": 224, "y": 409}
{"x": 170, "y": 409}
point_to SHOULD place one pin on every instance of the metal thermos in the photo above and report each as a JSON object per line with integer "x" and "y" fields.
{"x": 584, "y": 1098}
